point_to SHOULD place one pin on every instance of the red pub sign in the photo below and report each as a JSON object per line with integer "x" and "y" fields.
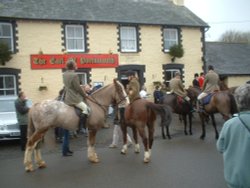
{"x": 58, "y": 61}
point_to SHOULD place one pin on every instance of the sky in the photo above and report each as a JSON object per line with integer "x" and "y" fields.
{"x": 222, "y": 15}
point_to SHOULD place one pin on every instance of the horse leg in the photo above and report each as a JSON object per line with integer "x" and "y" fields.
{"x": 135, "y": 136}
{"x": 202, "y": 127}
{"x": 184, "y": 117}
{"x": 163, "y": 131}
{"x": 150, "y": 138}
{"x": 215, "y": 127}
{"x": 30, "y": 146}
{"x": 190, "y": 123}
{"x": 145, "y": 143}
{"x": 38, "y": 156}
{"x": 124, "y": 136}
{"x": 92, "y": 155}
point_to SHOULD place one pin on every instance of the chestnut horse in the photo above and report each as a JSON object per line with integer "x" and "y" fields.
{"x": 52, "y": 113}
{"x": 221, "y": 102}
{"x": 139, "y": 115}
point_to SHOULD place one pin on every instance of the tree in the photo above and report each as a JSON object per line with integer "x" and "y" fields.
{"x": 235, "y": 37}
{"x": 176, "y": 51}
{"x": 5, "y": 53}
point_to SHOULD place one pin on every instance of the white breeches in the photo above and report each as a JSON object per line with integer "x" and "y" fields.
{"x": 83, "y": 107}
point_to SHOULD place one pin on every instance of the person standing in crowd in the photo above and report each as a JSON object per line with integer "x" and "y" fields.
{"x": 210, "y": 85}
{"x": 177, "y": 87}
{"x": 22, "y": 110}
{"x": 133, "y": 87}
{"x": 234, "y": 142}
{"x": 143, "y": 92}
{"x": 157, "y": 94}
{"x": 196, "y": 80}
{"x": 201, "y": 79}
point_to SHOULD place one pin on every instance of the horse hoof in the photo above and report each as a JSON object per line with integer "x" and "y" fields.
{"x": 29, "y": 169}
{"x": 42, "y": 164}
{"x": 96, "y": 160}
{"x": 146, "y": 160}
{"x": 202, "y": 137}
{"x": 123, "y": 152}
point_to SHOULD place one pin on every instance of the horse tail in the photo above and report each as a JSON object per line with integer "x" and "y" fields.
{"x": 163, "y": 110}
{"x": 234, "y": 108}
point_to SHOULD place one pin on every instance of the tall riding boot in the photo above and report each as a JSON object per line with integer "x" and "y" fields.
{"x": 83, "y": 120}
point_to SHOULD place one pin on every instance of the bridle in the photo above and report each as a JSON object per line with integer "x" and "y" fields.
{"x": 93, "y": 99}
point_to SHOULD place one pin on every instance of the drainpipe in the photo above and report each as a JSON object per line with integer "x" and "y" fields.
{"x": 204, "y": 59}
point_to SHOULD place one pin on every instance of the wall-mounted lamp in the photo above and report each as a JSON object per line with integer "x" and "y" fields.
{"x": 42, "y": 86}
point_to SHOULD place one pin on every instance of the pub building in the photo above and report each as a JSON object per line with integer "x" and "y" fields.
{"x": 105, "y": 38}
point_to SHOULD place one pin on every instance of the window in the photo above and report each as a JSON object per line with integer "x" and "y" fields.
{"x": 7, "y": 85}
{"x": 169, "y": 74}
{"x": 6, "y": 34}
{"x": 82, "y": 77}
{"x": 170, "y": 38}
{"x": 75, "y": 40}
{"x": 128, "y": 39}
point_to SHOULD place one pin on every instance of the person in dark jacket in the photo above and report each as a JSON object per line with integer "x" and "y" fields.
{"x": 22, "y": 117}
{"x": 157, "y": 95}
{"x": 196, "y": 80}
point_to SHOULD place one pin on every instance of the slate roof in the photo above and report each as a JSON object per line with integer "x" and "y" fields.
{"x": 153, "y": 12}
{"x": 229, "y": 58}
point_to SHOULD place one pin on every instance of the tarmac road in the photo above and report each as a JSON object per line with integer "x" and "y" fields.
{"x": 182, "y": 162}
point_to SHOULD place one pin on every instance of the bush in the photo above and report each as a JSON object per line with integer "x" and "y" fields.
{"x": 5, "y": 53}
{"x": 176, "y": 51}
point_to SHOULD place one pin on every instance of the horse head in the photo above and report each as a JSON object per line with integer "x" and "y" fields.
{"x": 120, "y": 97}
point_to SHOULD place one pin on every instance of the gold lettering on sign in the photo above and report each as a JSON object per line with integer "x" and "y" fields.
{"x": 54, "y": 60}
{"x": 96, "y": 61}
{"x": 38, "y": 61}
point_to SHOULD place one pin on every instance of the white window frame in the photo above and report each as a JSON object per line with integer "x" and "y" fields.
{"x": 82, "y": 77}
{"x": 4, "y": 89}
{"x": 82, "y": 39}
{"x": 170, "y": 37}
{"x": 10, "y": 37}
{"x": 128, "y": 39}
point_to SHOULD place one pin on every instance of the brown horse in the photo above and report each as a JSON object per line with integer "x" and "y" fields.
{"x": 52, "y": 113}
{"x": 139, "y": 115}
{"x": 221, "y": 102}
{"x": 181, "y": 107}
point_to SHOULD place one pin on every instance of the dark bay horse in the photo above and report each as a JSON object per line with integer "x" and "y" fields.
{"x": 52, "y": 113}
{"x": 180, "y": 107}
{"x": 139, "y": 115}
{"x": 221, "y": 102}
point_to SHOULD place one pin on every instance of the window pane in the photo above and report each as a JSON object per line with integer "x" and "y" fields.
{"x": 70, "y": 32}
{"x": 78, "y": 32}
{"x": 9, "y": 82}
{"x": 10, "y": 92}
{"x": 70, "y": 44}
{"x": 1, "y": 82}
{"x": 6, "y": 30}
{"x": 6, "y": 41}
{"x": 79, "y": 44}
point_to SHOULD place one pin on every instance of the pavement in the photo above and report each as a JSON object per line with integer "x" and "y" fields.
{"x": 182, "y": 162}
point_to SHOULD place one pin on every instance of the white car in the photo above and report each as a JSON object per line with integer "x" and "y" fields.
{"x": 9, "y": 128}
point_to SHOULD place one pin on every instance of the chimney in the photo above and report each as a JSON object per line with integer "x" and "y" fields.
{"x": 178, "y": 2}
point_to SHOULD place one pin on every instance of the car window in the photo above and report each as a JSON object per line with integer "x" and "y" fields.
{"x": 7, "y": 105}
